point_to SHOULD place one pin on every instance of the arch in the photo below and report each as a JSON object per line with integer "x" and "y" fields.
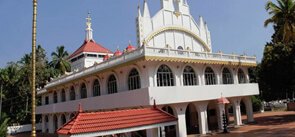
{"x": 170, "y": 131}
{"x": 72, "y": 93}
{"x": 96, "y": 88}
{"x": 112, "y": 84}
{"x": 63, "y": 119}
{"x": 83, "y": 91}
{"x": 157, "y": 32}
{"x": 165, "y": 76}
{"x": 210, "y": 77}
{"x": 134, "y": 79}
{"x": 189, "y": 76}
{"x": 63, "y": 95}
{"x": 55, "y": 97}
{"x": 55, "y": 123}
{"x": 192, "y": 120}
{"x": 241, "y": 76}
{"x": 46, "y": 123}
{"x": 227, "y": 77}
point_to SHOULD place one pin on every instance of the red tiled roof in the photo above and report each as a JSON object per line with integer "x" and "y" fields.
{"x": 114, "y": 120}
{"x": 90, "y": 46}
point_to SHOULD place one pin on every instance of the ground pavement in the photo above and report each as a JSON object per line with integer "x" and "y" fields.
{"x": 268, "y": 124}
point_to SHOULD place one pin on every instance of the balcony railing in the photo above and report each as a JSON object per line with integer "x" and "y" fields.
{"x": 149, "y": 51}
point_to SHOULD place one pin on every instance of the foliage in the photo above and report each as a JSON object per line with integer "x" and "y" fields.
{"x": 16, "y": 81}
{"x": 283, "y": 17}
{"x": 256, "y": 103}
{"x": 3, "y": 125}
{"x": 59, "y": 61}
{"x": 276, "y": 73}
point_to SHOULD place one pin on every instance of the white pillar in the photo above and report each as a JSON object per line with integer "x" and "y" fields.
{"x": 59, "y": 121}
{"x": 181, "y": 124}
{"x": 152, "y": 132}
{"x": 43, "y": 124}
{"x": 67, "y": 90}
{"x": 50, "y": 124}
{"x": 162, "y": 132}
{"x": 249, "y": 109}
{"x": 237, "y": 111}
{"x": 202, "y": 116}
{"x": 220, "y": 111}
{"x": 235, "y": 76}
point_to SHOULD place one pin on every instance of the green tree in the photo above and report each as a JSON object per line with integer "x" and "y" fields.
{"x": 283, "y": 17}
{"x": 276, "y": 73}
{"x": 59, "y": 60}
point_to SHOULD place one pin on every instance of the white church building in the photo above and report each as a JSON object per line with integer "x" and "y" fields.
{"x": 172, "y": 66}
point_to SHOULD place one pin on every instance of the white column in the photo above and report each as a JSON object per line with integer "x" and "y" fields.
{"x": 181, "y": 124}
{"x": 89, "y": 89}
{"x": 43, "y": 124}
{"x": 152, "y": 132}
{"x": 67, "y": 91}
{"x": 59, "y": 121}
{"x": 178, "y": 74}
{"x": 162, "y": 131}
{"x": 50, "y": 124}
{"x": 249, "y": 109}
{"x": 220, "y": 111}
{"x": 235, "y": 77}
{"x": 202, "y": 116}
{"x": 237, "y": 111}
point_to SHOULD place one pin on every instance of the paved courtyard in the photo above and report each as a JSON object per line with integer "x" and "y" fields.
{"x": 268, "y": 124}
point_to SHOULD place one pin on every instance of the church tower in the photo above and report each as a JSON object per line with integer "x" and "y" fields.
{"x": 90, "y": 52}
{"x": 172, "y": 27}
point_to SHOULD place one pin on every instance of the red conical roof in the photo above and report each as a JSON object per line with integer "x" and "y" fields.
{"x": 118, "y": 53}
{"x": 90, "y": 46}
{"x": 130, "y": 48}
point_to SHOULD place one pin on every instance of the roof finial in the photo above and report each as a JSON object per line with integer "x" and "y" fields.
{"x": 89, "y": 34}
{"x": 155, "y": 105}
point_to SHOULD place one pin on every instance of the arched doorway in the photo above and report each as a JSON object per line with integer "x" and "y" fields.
{"x": 170, "y": 131}
{"x": 192, "y": 122}
{"x": 212, "y": 116}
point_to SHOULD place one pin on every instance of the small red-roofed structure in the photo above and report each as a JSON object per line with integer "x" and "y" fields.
{"x": 118, "y": 53}
{"x": 115, "y": 122}
{"x": 90, "y": 46}
{"x": 130, "y": 48}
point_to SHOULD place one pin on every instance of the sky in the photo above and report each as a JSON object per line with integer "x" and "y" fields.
{"x": 236, "y": 25}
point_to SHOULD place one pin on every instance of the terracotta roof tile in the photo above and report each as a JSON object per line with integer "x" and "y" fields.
{"x": 90, "y": 46}
{"x": 112, "y": 120}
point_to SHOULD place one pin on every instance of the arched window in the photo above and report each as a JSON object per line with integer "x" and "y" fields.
{"x": 55, "y": 97}
{"x": 210, "y": 76}
{"x": 165, "y": 76}
{"x": 63, "y": 95}
{"x": 63, "y": 119}
{"x": 112, "y": 85}
{"x": 72, "y": 93}
{"x": 55, "y": 124}
{"x": 72, "y": 115}
{"x": 133, "y": 80}
{"x": 83, "y": 91}
{"x": 227, "y": 77}
{"x": 189, "y": 76}
{"x": 241, "y": 76}
{"x": 96, "y": 88}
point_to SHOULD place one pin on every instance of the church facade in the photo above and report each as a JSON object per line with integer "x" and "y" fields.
{"x": 172, "y": 65}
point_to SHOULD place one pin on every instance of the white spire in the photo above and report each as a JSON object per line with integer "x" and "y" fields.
{"x": 89, "y": 34}
{"x": 146, "y": 11}
{"x": 139, "y": 12}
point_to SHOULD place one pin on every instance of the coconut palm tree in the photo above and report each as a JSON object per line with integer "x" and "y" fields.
{"x": 59, "y": 61}
{"x": 283, "y": 17}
